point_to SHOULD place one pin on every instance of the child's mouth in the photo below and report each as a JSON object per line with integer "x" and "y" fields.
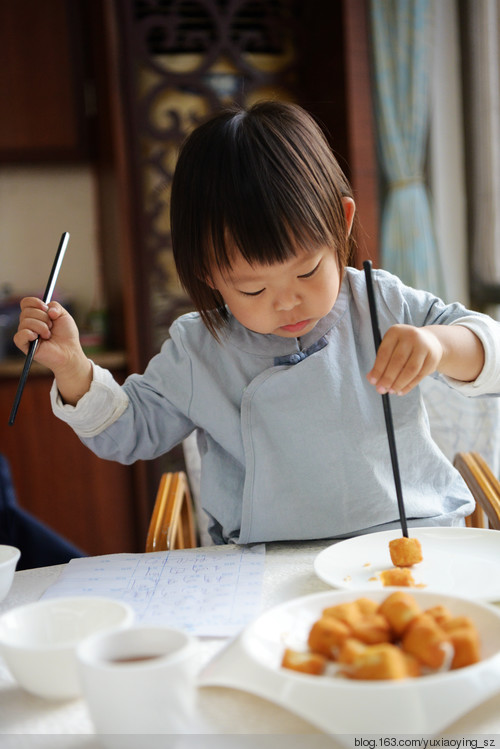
{"x": 295, "y": 327}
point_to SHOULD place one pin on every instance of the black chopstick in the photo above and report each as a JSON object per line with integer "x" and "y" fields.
{"x": 385, "y": 400}
{"x": 49, "y": 290}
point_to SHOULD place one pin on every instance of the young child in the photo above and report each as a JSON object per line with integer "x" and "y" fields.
{"x": 277, "y": 370}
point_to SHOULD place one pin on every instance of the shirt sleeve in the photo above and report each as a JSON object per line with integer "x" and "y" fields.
{"x": 402, "y": 303}
{"x": 100, "y": 407}
{"x": 488, "y": 380}
{"x": 141, "y": 419}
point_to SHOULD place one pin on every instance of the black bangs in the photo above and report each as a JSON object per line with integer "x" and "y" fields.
{"x": 265, "y": 202}
{"x": 262, "y": 183}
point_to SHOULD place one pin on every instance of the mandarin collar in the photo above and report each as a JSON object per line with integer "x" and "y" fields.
{"x": 272, "y": 345}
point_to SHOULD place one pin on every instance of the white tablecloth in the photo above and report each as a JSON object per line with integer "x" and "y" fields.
{"x": 227, "y": 717}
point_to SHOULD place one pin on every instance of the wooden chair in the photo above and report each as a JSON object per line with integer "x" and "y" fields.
{"x": 172, "y": 522}
{"x": 484, "y": 486}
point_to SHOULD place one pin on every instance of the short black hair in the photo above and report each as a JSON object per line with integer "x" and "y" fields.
{"x": 263, "y": 180}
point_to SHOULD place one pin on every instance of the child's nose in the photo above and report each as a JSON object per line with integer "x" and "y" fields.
{"x": 287, "y": 301}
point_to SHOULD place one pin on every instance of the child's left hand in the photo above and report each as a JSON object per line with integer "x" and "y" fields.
{"x": 405, "y": 356}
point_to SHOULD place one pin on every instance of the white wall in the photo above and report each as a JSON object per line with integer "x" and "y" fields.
{"x": 38, "y": 203}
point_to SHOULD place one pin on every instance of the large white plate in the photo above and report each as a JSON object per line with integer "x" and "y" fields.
{"x": 340, "y": 706}
{"x": 458, "y": 561}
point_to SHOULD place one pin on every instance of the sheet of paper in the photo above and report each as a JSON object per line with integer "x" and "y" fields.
{"x": 211, "y": 592}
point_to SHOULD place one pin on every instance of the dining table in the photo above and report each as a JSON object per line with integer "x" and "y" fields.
{"x": 232, "y": 717}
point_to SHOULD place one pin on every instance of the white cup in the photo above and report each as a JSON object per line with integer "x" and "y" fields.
{"x": 139, "y": 681}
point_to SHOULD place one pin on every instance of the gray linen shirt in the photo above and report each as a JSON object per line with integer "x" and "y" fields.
{"x": 292, "y": 436}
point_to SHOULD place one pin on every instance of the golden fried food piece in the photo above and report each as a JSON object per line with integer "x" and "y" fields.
{"x": 405, "y": 552}
{"x": 367, "y": 606}
{"x": 440, "y": 613}
{"x": 327, "y": 635}
{"x": 362, "y": 619}
{"x": 306, "y": 663}
{"x": 397, "y": 576}
{"x": 370, "y": 662}
{"x": 466, "y": 646}
{"x": 383, "y": 661}
{"x": 426, "y": 640}
{"x": 345, "y": 612}
{"x": 372, "y": 629}
{"x": 350, "y": 650}
{"x": 413, "y": 665}
{"x": 457, "y": 622}
{"x": 464, "y": 637}
{"x": 399, "y": 609}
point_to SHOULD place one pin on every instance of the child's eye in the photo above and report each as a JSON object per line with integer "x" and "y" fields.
{"x": 311, "y": 273}
{"x": 252, "y": 293}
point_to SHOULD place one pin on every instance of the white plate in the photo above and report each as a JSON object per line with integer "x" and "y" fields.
{"x": 459, "y": 561}
{"x": 425, "y": 705}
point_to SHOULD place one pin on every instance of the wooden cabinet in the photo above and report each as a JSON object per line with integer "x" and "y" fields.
{"x": 43, "y": 87}
{"x": 88, "y": 500}
{"x": 50, "y": 51}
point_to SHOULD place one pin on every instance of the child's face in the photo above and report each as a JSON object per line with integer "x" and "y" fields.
{"x": 286, "y": 299}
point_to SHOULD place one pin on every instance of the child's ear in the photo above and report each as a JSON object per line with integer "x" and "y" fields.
{"x": 349, "y": 210}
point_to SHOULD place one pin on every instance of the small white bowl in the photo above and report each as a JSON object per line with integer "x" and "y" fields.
{"x": 9, "y": 557}
{"x": 38, "y": 641}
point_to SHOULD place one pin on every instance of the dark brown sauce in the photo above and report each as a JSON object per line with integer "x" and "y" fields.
{"x": 134, "y": 658}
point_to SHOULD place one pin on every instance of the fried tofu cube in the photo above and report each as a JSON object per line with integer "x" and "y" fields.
{"x": 397, "y": 576}
{"x": 305, "y": 663}
{"x": 367, "y": 606}
{"x": 413, "y": 665}
{"x": 327, "y": 635}
{"x": 464, "y": 637}
{"x": 466, "y": 646}
{"x": 350, "y": 650}
{"x": 426, "y": 640}
{"x": 457, "y": 622}
{"x": 399, "y": 609}
{"x": 440, "y": 613}
{"x": 347, "y": 612}
{"x": 383, "y": 661}
{"x": 405, "y": 552}
{"x": 372, "y": 629}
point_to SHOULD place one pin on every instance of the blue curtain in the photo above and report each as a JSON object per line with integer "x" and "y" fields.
{"x": 402, "y": 32}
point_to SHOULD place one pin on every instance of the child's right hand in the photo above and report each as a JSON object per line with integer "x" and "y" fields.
{"x": 59, "y": 346}
{"x": 59, "y": 339}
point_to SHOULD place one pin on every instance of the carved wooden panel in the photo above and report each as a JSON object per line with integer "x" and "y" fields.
{"x": 189, "y": 58}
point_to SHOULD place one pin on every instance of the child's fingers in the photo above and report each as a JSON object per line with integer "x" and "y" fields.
{"x": 33, "y": 312}
{"x": 23, "y": 338}
{"x": 405, "y": 356}
{"x": 392, "y": 358}
{"x": 55, "y": 310}
{"x": 34, "y": 322}
{"x": 29, "y": 331}
{"x": 33, "y": 302}
{"x": 415, "y": 369}
{"x": 413, "y": 383}
{"x": 54, "y": 326}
